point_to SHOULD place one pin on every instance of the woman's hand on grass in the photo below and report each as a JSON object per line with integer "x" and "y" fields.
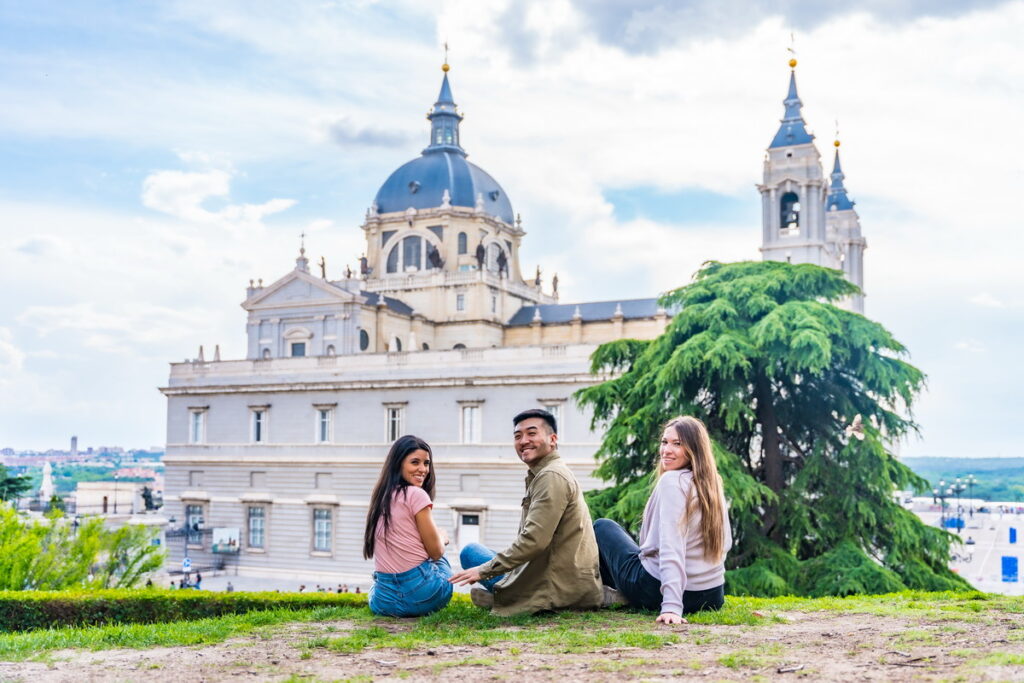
{"x": 670, "y": 618}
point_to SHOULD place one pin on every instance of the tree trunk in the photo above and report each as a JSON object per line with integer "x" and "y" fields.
{"x": 771, "y": 450}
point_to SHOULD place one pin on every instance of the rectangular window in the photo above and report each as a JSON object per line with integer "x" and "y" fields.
{"x": 322, "y": 530}
{"x": 197, "y": 426}
{"x": 556, "y": 408}
{"x": 194, "y": 524}
{"x": 298, "y": 349}
{"x": 471, "y": 424}
{"x": 195, "y": 479}
{"x": 395, "y": 422}
{"x": 322, "y": 480}
{"x": 323, "y": 425}
{"x": 460, "y": 302}
{"x": 257, "y": 480}
{"x": 259, "y": 426}
{"x": 257, "y": 526}
{"x": 494, "y": 304}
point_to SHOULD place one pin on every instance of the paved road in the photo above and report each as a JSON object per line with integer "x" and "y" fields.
{"x": 981, "y": 563}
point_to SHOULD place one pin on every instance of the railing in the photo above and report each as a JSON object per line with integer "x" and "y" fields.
{"x": 439, "y": 278}
{"x": 368, "y": 362}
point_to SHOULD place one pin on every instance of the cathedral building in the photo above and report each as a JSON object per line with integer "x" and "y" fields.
{"x": 270, "y": 459}
{"x": 806, "y": 219}
{"x": 438, "y": 335}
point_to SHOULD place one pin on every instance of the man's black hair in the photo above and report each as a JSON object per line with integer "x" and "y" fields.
{"x": 537, "y": 412}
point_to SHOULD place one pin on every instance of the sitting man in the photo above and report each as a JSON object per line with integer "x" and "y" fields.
{"x": 553, "y": 562}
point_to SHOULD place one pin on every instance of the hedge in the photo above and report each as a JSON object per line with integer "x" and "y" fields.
{"x": 30, "y": 610}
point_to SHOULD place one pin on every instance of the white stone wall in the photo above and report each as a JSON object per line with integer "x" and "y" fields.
{"x": 484, "y": 478}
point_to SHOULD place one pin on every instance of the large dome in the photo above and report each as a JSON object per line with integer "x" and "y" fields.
{"x": 421, "y": 183}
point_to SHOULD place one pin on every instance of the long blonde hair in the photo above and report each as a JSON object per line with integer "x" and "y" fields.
{"x": 707, "y": 484}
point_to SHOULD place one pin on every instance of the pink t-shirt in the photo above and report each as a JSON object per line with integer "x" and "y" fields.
{"x": 403, "y": 548}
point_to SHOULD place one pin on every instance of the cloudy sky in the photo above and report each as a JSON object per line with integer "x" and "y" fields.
{"x": 155, "y": 156}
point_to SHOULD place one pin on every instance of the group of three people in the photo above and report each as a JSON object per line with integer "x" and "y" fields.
{"x": 559, "y": 558}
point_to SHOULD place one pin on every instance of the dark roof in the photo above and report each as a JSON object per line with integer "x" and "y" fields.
{"x": 589, "y": 312}
{"x": 394, "y": 304}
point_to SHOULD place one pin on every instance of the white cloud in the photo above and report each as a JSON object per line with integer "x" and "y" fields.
{"x": 182, "y": 193}
{"x": 114, "y": 327}
{"x": 970, "y": 345}
{"x": 11, "y": 357}
{"x": 986, "y": 300}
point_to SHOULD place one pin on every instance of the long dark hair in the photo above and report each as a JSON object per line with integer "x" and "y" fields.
{"x": 391, "y": 482}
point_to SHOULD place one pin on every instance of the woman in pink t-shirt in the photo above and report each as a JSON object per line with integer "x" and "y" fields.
{"x": 411, "y": 572}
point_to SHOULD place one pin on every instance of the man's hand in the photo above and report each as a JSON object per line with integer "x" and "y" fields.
{"x": 466, "y": 576}
{"x": 670, "y": 618}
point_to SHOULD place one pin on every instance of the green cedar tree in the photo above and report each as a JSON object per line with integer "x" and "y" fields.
{"x": 762, "y": 353}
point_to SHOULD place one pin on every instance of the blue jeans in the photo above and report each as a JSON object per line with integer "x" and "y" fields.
{"x": 413, "y": 593}
{"x": 474, "y": 555}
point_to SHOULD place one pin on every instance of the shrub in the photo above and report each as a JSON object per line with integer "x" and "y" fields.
{"x": 30, "y": 610}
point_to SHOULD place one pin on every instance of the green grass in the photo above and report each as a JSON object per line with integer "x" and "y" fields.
{"x": 1001, "y": 659}
{"x": 566, "y": 632}
{"x": 929, "y": 615}
{"x": 33, "y": 644}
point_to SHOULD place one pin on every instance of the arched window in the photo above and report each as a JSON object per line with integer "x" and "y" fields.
{"x": 463, "y": 243}
{"x": 266, "y": 354}
{"x": 364, "y": 340}
{"x": 459, "y": 346}
{"x": 398, "y": 344}
{"x": 330, "y": 349}
{"x": 412, "y": 253}
{"x": 790, "y": 212}
{"x": 426, "y": 346}
{"x": 492, "y": 257}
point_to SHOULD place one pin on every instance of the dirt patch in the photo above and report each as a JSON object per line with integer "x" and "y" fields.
{"x": 807, "y": 645}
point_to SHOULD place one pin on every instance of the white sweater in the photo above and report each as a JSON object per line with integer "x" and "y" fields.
{"x": 678, "y": 562}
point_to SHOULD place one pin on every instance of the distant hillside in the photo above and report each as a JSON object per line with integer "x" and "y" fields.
{"x": 998, "y": 478}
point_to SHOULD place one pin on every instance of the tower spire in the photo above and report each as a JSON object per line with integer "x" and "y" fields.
{"x": 837, "y": 199}
{"x": 793, "y": 130}
{"x": 444, "y": 118}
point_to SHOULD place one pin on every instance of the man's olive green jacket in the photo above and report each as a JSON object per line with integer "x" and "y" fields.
{"x": 553, "y": 562}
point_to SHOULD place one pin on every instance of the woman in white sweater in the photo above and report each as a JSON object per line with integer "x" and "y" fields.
{"x": 679, "y": 565}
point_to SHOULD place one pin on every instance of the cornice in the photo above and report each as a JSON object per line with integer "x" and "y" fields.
{"x": 370, "y": 385}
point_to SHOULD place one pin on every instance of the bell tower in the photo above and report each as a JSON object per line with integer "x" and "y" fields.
{"x": 793, "y": 190}
{"x": 844, "y": 234}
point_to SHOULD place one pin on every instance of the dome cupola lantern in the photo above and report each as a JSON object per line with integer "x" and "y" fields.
{"x": 441, "y": 177}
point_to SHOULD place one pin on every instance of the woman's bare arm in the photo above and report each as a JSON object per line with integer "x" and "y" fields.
{"x": 433, "y": 538}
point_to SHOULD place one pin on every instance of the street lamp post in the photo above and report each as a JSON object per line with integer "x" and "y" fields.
{"x": 117, "y": 476}
{"x": 971, "y": 481}
{"x": 941, "y": 493}
{"x": 957, "y": 489}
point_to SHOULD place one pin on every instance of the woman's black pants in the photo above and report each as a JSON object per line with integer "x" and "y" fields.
{"x": 621, "y": 569}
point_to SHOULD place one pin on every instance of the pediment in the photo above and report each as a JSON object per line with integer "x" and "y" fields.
{"x": 299, "y": 288}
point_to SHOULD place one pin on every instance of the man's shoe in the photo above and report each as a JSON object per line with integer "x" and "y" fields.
{"x": 613, "y": 597}
{"x": 481, "y": 597}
